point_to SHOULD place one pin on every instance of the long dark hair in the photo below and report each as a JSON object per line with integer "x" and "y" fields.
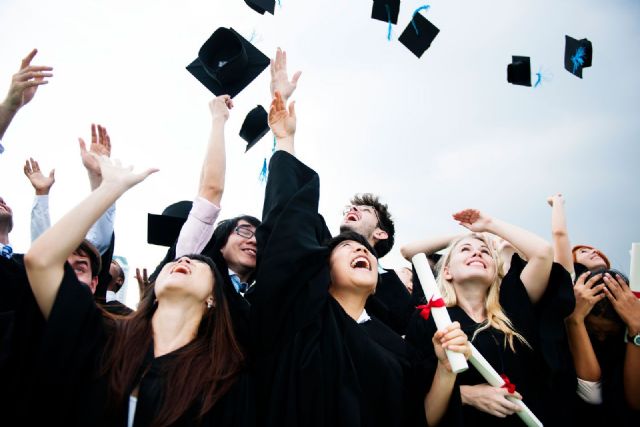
{"x": 212, "y": 361}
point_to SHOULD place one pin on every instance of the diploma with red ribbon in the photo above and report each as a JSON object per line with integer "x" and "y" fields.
{"x": 437, "y": 308}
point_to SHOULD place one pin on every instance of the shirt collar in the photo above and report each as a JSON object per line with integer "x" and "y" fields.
{"x": 364, "y": 317}
{"x": 110, "y": 296}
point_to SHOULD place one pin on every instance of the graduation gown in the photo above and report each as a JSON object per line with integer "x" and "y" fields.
{"x": 314, "y": 365}
{"x": 71, "y": 390}
{"x": 534, "y": 369}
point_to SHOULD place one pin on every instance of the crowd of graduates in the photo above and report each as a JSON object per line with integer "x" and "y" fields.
{"x": 277, "y": 322}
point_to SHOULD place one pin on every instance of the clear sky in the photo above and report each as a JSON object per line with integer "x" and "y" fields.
{"x": 431, "y": 136}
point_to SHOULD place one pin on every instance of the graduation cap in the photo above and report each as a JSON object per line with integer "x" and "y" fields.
{"x": 164, "y": 229}
{"x": 227, "y": 63}
{"x": 262, "y": 6}
{"x": 255, "y": 126}
{"x": 419, "y": 34}
{"x": 519, "y": 71}
{"x": 386, "y": 10}
{"x": 577, "y": 55}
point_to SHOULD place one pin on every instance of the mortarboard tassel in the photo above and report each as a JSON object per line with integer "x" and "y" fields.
{"x": 265, "y": 171}
{"x": 415, "y": 27}
{"x": 389, "y": 26}
{"x": 538, "y": 79}
{"x": 578, "y": 58}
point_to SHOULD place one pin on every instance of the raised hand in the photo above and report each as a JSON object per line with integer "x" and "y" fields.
{"x": 587, "y": 295}
{"x": 473, "y": 220}
{"x": 279, "y": 77}
{"x": 555, "y": 199}
{"x": 489, "y": 399}
{"x": 25, "y": 82}
{"x": 114, "y": 174}
{"x": 100, "y": 146}
{"x": 450, "y": 338}
{"x": 143, "y": 280}
{"x": 220, "y": 107}
{"x": 281, "y": 121}
{"x": 626, "y": 304}
{"x": 42, "y": 184}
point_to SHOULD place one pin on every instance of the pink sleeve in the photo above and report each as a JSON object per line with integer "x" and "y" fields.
{"x": 198, "y": 229}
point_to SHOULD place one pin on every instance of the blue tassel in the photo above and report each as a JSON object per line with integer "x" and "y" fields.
{"x": 263, "y": 173}
{"x": 279, "y": 4}
{"x": 253, "y": 36}
{"x": 578, "y": 58}
{"x": 415, "y": 27}
{"x": 539, "y": 79}
{"x": 389, "y": 18}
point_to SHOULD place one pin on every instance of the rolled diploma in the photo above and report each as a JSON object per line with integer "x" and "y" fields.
{"x": 634, "y": 270}
{"x": 440, "y": 314}
{"x": 493, "y": 378}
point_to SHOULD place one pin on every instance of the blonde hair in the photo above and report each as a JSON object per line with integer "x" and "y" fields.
{"x": 496, "y": 317}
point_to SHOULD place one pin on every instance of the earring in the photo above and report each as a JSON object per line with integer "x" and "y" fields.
{"x": 209, "y": 304}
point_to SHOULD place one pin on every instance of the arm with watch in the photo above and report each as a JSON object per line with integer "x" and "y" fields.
{"x": 627, "y": 305}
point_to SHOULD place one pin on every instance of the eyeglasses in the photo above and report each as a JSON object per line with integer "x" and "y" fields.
{"x": 362, "y": 208}
{"x": 244, "y": 231}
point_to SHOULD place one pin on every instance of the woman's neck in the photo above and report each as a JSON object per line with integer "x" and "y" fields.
{"x": 174, "y": 326}
{"x": 471, "y": 297}
{"x": 351, "y": 302}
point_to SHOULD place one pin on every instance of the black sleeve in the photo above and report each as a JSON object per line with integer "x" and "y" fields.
{"x": 290, "y": 247}
{"x": 391, "y": 302}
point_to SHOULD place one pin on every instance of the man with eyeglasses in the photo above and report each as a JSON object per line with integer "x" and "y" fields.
{"x": 370, "y": 218}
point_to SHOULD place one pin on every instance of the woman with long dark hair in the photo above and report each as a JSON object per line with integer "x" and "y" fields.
{"x": 175, "y": 361}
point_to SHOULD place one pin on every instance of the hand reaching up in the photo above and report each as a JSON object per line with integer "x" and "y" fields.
{"x": 42, "y": 184}
{"x": 281, "y": 121}
{"x": 220, "y": 107}
{"x": 26, "y": 81}
{"x": 279, "y": 77}
{"x": 473, "y": 220}
{"x": 123, "y": 178}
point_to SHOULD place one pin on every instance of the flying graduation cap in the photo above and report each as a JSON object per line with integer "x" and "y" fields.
{"x": 386, "y": 10}
{"x": 419, "y": 34}
{"x": 262, "y": 6}
{"x": 577, "y": 55}
{"x": 255, "y": 126}
{"x": 164, "y": 229}
{"x": 519, "y": 71}
{"x": 227, "y": 63}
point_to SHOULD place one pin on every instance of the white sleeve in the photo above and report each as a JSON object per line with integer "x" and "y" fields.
{"x": 40, "y": 219}
{"x": 590, "y": 391}
{"x": 198, "y": 228}
{"x": 100, "y": 233}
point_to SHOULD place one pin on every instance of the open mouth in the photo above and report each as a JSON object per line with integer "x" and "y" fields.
{"x": 351, "y": 216}
{"x": 180, "y": 268}
{"x": 361, "y": 262}
{"x": 477, "y": 263}
{"x": 250, "y": 251}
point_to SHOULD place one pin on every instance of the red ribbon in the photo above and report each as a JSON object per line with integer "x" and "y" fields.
{"x": 511, "y": 387}
{"x": 425, "y": 309}
{"x": 637, "y": 294}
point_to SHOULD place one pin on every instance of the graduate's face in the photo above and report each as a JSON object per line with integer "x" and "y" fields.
{"x": 364, "y": 221}
{"x": 590, "y": 258}
{"x": 470, "y": 259}
{"x": 186, "y": 277}
{"x": 6, "y": 214}
{"x": 353, "y": 266}
{"x": 81, "y": 264}
{"x": 240, "y": 251}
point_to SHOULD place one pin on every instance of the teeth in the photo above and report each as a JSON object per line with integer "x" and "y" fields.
{"x": 360, "y": 262}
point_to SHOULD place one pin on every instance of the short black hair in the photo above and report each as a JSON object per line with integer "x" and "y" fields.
{"x": 385, "y": 221}
{"x": 349, "y": 235}
{"x": 87, "y": 249}
{"x": 225, "y": 228}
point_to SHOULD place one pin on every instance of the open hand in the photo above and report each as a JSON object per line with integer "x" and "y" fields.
{"x": 281, "y": 121}
{"x": 100, "y": 146}
{"x": 113, "y": 173}
{"x": 279, "y": 77}
{"x": 473, "y": 220}
{"x": 143, "y": 280}
{"x": 42, "y": 184}
{"x": 25, "y": 82}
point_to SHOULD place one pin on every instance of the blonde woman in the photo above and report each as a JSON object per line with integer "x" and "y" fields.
{"x": 497, "y": 313}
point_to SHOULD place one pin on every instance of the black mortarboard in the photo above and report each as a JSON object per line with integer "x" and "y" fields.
{"x": 164, "y": 229}
{"x": 227, "y": 63}
{"x": 386, "y": 10}
{"x": 255, "y": 126}
{"x": 577, "y": 55}
{"x": 262, "y": 6}
{"x": 418, "y": 35}
{"x": 519, "y": 71}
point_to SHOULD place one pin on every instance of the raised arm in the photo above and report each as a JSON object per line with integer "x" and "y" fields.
{"x": 561, "y": 245}
{"x": 283, "y": 123}
{"x": 40, "y": 218}
{"x": 24, "y": 85}
{"x": 280, "y": 78}
{"x": 427, "y": 246}
{"x": 45, "y": 259}
{"x": 535, "y": 275}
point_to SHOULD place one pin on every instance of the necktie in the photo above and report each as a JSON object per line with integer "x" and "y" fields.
{"x": 238, "y": 284}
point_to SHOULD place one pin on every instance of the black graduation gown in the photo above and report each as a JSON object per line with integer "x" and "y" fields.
{"x": 527, "y": 368}
{"x": 71, "y": 390}
{"x": 391, "y": 303}
{"x": 314, "y": 365}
